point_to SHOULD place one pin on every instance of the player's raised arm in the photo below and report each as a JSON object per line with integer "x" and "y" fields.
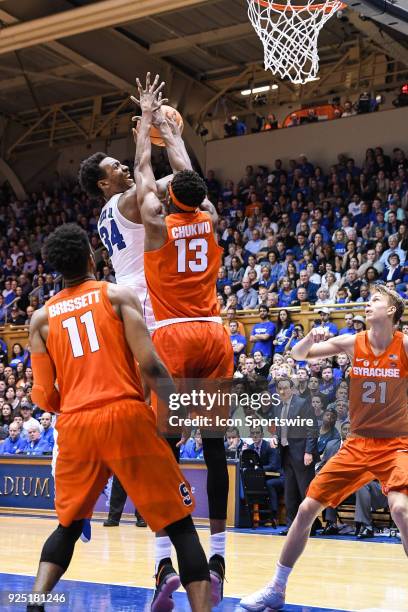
{"x": 150, "y": 205}
{"x": 44, "y": 392}
{"x": 209, "y": 207}
{"x": 138, "y": 338}
{"x": 176, "y": 150}
{"x": 316, "y": 345}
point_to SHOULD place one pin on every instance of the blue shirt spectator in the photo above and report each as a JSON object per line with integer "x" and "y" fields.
{"x": 48, "y": 431}
{"x": 263, "y": 333}
{"x": 35, "y": 445}
{"x": 14, "y": 444}
{"x": 193, "y": 448}
{"x": 238, "y": 341}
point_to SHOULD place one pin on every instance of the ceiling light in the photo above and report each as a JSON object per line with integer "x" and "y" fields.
{"x": 255, "y": 90}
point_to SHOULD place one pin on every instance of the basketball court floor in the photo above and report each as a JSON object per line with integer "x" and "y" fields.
{"x": 113, "y": 573}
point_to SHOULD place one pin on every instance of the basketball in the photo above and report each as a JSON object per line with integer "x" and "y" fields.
{"x": 168, "y": 112}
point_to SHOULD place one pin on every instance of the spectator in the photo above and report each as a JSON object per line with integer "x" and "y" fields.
{"x": 328, "y": 431}
{"x": 247, "y": 297}
{"x": 26, "y": 411}
{"x": 233, "y": 443}
{"x": 237, "y": 340}
{"x": 359, "y": 323}
{"x": 393, "y": 271}
{"x": 284, "y": 331}
{"x": 48, "y": 430}
{"x": 193, "y": 449}
{"x": 261, "y": 365}
{"x": 35, "y": 445}
{"x": 263, "y": 333}
{"x": 14, "y": 444}
{"x": 393, "y": 248}
{"x": 325, "y": 322}
{"x": 349, "y": 325}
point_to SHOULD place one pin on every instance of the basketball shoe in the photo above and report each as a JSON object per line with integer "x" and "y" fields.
{"x": 217, "y": 574}
{"x": 167, "y": 581}
{"x": 267, "y": 598}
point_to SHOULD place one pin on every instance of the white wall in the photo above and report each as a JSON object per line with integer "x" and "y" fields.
{"x": 321, "y": 142}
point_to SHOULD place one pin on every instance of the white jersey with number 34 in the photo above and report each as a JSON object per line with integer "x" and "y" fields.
{"x": 124, "y": 241}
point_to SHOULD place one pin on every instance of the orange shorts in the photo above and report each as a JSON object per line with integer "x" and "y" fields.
{"x": 195, "y": 349}
{"x": 359, "y": 461}
{"x": 118, "y": 438}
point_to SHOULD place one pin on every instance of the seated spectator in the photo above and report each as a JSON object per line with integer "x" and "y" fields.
{"x": 358, "y": 323}
{"x": 48, "y": 430}
{"x": 364, "y": 294}
{"x": 318, "y": 406}
{"x": 349, "y": 326}
{"x": 311, "y": 289}
{"x": 247, "y": 297}
{"x": 323, "y": 297}
{"x": 325, "y": 322}
{"x": 17, "y": 355}
{"x": 302, "y": 297}
{"x": 231, "y": 315}
{"x": 233, "y": 443}
{"x": 193, "y": 449}
{"x": 14, "y": 444}
{"x": 393, "y": 270}
{"x": 343, "y": 363}
{"x": 261, "y": 365}
{"x": 286, "y": 292}
{"x": 328, "y": 431}
{"x": 236, "y": 273}
{"x": 393, "y": 248}
{"x": 36, "y": 445}
{"x": 352, "y": 285}
{"x": 238, "y": 341}
{"x": 26, "y": 411}
{"x": 328, "y": 385}
{"x": 263, "y": 333}
{"x": 368, "y": 498}
{"x": 6, "y": 418}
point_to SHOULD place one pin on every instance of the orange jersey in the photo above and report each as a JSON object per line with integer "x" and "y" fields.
{"x": 378, "y": 389}
{"x": 181, "y": 275}
{"x": 86, "y": 341}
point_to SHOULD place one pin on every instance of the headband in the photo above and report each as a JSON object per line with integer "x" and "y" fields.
{"x": 180, "y": 204}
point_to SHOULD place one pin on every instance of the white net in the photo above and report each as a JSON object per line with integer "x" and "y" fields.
{"x": 289, "y": 35}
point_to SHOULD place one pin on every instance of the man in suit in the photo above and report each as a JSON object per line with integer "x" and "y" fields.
{"x": 298, "y": 447}
{"x": 269, "y": 459}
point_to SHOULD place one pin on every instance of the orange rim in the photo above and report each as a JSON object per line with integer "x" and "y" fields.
{"x": 314, "y": 7}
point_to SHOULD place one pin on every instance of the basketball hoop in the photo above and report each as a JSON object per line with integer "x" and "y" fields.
{"x": 289, "y": 34}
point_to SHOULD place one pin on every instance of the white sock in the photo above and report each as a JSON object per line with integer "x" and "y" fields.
{"x": 281, "y": 577}
{"x": 162, "y": 550}
{"x": 217, "y": 544}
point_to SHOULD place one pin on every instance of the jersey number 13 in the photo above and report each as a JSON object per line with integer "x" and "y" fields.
{"x": 198, "y": 246}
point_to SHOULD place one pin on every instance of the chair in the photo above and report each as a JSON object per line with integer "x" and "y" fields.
{"x": 256, "y": 495}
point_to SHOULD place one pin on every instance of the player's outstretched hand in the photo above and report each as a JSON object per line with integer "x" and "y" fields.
{"x": 318, "y": 334}
{"x": 150, "y": 98}
{"x": 171, "y": 119}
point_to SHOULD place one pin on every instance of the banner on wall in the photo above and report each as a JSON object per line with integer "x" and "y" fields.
{"x": 27, "y": 483}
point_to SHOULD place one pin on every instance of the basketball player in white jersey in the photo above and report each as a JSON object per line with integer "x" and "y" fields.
{"x": 122, "y": 232}
{"x": 120, "y": 226}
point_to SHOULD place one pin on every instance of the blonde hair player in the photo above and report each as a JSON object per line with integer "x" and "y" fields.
{"x": 378, "y": 443}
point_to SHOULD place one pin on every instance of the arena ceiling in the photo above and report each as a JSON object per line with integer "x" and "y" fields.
{"x": 81, "y": 57}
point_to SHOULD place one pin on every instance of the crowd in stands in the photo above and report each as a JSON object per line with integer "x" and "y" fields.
{"x": 366, "y": 103}
{"x": 291, "y": 233}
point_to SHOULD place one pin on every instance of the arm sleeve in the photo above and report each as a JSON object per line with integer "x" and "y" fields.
{"x": 44, "y": 392}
